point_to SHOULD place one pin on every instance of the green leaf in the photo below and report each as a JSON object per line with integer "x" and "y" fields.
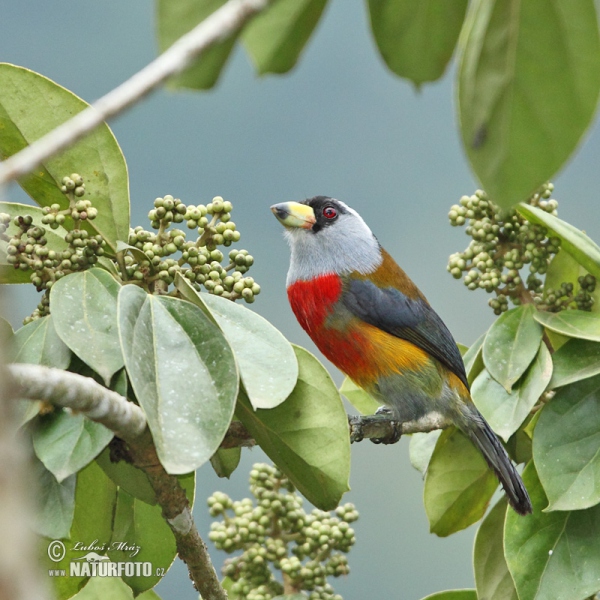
{"x": 56, "y": 503}
{"x": 267, "y": 363}
{"x": 362, "y": 401}
{"x": 453, "y": 595}
{"x": 183, "y": 373}
{"x": 141, "y": 534}
{"x": 421, "y": 448}
{"x": 511, "y": 344}
{"x": 566, "y": 446}
{"x": 458, "y": 484}
{"x": 55, "y": 239}
{"x": 95, "y": 497}
{"x": 307, "y": 436}
{"x": 177, "y": 17}
{"x": 416, "y": 38}
{"x": 506, "y": 411}
{"x": 100, "y": 588}
{"x": 492, "y": 577}
{"x": 276, "y": 37}
{"x": 66, "y": 442}
{"x": 552, "y": 554}
{"x": 97, "y": 157}
{"x": 473, "y": 359}
{"x": 129, "y": 478}
{"x": 84, "y": 309}
{"x": 583, "y": 249}
{"x": 572, "y": 323}
{"x": 37, "y": 343}
{"x": 574, "y": 361}
{"x": 225, "y": 461}
{"x": 523, "y": 64}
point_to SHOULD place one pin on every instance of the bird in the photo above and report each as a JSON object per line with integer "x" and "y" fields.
{"x": 372, "y": 322}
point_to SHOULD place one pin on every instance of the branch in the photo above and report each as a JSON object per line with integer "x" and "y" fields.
{"x": 82, "y": 394}
{"x": 220, "y": 25}
{"x": 127, "y": 420}
{"x": 176, "y": 511}
{"x": 385, "y": 429}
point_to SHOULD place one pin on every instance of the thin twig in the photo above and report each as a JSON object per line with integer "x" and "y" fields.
{"x": 222, "y": 24}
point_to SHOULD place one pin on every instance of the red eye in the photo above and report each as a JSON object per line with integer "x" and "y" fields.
{"x": 329, "y": 212}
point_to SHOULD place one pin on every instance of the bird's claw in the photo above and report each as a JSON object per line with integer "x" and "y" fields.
{"x": 393, "y": 437}
{"x": 356, "y": 431}
{"x": 384, "y": 410}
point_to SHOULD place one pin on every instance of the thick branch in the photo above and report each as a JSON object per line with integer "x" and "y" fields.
{"x": 127, "y": 420}
{"x": 176, "y": 511}
{"x": 83, "y": 394}
{"x": 222, "y": 24}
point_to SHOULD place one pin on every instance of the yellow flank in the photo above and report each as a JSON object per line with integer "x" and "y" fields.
{"x": 388, "y": 355}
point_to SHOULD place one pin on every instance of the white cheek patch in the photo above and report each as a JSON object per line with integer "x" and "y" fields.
{"x": 343, "y": 247}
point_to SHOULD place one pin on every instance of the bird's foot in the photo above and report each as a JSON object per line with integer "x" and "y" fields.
{"x": 384, "y": 410}
{"x": 394, "y": 435}
{"x": 356, "y": 429}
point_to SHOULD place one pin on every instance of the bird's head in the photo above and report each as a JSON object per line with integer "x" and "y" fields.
{"x": 326, "y": 237}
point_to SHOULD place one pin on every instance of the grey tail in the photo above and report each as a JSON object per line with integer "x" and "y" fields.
{"x": 486, "y": 441}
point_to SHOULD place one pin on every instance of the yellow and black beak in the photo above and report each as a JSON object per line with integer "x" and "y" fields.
{"x": 294, "y": 214}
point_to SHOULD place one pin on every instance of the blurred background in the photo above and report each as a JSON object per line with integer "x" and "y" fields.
{"x": 340, "y": 124}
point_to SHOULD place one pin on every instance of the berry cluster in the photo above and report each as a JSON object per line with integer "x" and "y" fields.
{"x": 28, "y": 250}
{"x": 503, "y": 242}
{"x": 198, "y": 260}
{"x": 276, "y": 533}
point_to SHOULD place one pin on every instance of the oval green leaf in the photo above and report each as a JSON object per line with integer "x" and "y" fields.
{"x": 67, "y": 442}
{"x": 453, "y": 595}
{"x": 506, "y": 411}
{"x": 416, "y": 38}
{"x": 37, "y": 343}
{"x": 56, "y": 503}
{"x": 511, "y": 344}
{"x": 275, "y": 38}
{"x": 100, "y": 588}
{"x": 572, "y": 323}
{"x": 183, "y": 373}
{"x": 95, "y": 498}
{"x": 363, "y": 402}
{"x": 552, "y": 554}
{"x": 574, "y": 361}
{"x": 583, "y": 249}
{"x": 421, "y": 448}
{"x": 84, "y": 309}
{"x": 225, "y": 461}
{"x": 473, "y": 359}
{"x": 307, "y": 436}
{"x": 176, "y": 18}
{"x": 267, "y": 363}
{"x": 492, "y": 577}
{"x": 523, "y": 64}
{"x": 129, "y": 478}
{"x": 458, "y": 484}
{"x": 141, "y": 534}
{"x": 97, "y": 157}
{"x": 566, "y": 446}
{"x": 55, "y": 238}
